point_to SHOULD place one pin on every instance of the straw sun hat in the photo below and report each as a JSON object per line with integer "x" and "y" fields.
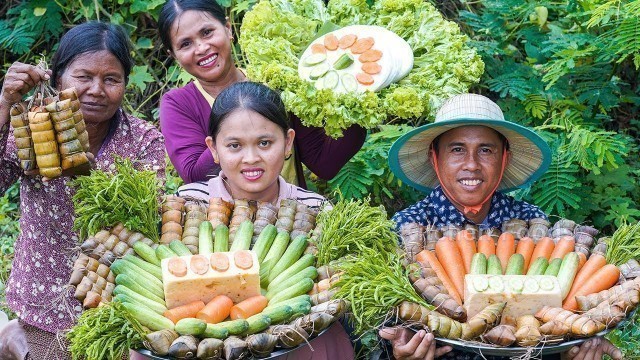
{"x": 530, "y": 154}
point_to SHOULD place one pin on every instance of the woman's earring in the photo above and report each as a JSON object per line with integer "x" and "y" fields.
{"x": 287, "y": 156}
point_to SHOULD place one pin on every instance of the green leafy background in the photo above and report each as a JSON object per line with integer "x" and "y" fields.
{"x": 568, "y": 69}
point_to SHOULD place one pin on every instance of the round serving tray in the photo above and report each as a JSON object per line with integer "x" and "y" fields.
{"x": 277, "y": 352}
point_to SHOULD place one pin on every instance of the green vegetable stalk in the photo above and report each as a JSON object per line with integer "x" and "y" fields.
{"x": 105, "y": 333}
{"x": 128, "y": 196}
{"x": 624, "y": 244}
{"x": 351, "y": 227}
{"x": 375, "y": 283}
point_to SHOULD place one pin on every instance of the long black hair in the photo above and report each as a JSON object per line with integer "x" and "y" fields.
{"x": 249, "y": 96}
{"x": 89, "y": 37}
{"x": 173, "y": 8}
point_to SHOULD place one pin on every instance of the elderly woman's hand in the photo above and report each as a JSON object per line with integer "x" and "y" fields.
{"x": 594, "y": 349}
{"x": 19, "y": 80}
{"x": 409, "y": 345}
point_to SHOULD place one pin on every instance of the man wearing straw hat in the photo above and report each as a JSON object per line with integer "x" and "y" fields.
{"x": 468, "y": 158}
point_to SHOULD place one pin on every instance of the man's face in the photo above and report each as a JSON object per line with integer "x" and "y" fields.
{"x": 469, "y": 163}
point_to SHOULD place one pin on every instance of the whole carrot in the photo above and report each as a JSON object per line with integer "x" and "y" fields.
{"x": 216, "y": 310}
{"x": 449, "y": 256}
{"x": 525, "y": 248}
{"x": 565, "y": 245}
{"x": 595, "y": 263}
{"x": 428, "y": 257}
{"x": 467, "y": 246}
{"x": 583, "y": 260}
{"x": 606, "y": 276}
{"x": 505, "y": 248}
{"x": 543, "y": 248}
{"x": 486, "y": 245}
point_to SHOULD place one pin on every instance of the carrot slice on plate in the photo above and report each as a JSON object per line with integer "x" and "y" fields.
{"x": 370, "y": 56}
{"x": 318, "y": 49}
{"x": 371, "y": 68}
{"x": 199, "y": 264}
{"x": 219, "y": 262}
{"x": 243, "y": 259}
{"x": 177, "y": 266}
{"x": 362, "y": 45}
{"x": 331, "y": 42}
{"x": 347, "y": 40}
{"x": 364, "y": 79}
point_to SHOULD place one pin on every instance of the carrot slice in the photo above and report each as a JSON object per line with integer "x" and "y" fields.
{"x": 177, "y": 267}
{"x": 219, "y": 262}
{"x": 371, "y": 68}
{"x": 243, "y": 259}
{"x": 362, "y": 45}
{"x": 184, "y": 311}
{"x": 199, "y": 264}
{"x": 216, "y": 310}
{"x": 248, "y": 307}
{"x": 370, "y": 56}
{"x": 331, "y": 42}
{"x": 364, "y": 79}
{"x": 318, "y": 49}
{"x": 347, "y": 40}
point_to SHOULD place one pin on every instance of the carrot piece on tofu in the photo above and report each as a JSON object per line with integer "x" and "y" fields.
{"x": 370, "y": 56}
{"x": 331, "y": 42}
{"x": 362, "y": 45}
{"x": 219, "y": 262}
{"x": 364, "y": 79}
{"x": 177, "y": 266}
{"x": 347, "y": 40}
{"x": 371, "y": 68}
{"x": 243, "y": 259}
{"x": 318, "y": 49}
{"x": 199, "y": 264}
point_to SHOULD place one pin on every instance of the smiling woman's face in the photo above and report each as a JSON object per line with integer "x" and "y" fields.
{"x": 100, "y": 82}
{"x": 251, "y": 150}
{"x": 470, "y": 162}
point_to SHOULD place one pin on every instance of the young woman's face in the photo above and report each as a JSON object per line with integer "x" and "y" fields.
{"x": 100, "y": 82}
{"x": 469, "y": 163}
{"x": 202, "y": 45}
{"x": 251, "y": 150}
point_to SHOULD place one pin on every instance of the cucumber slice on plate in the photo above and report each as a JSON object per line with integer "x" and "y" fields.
{"x": 547, "y": 284}
{"x": 314, "y": 59}
{"x": 531, "y": 285}
{"x": 349, "y": 82}
{"x": 516, "y": 285}
{"x": 496, "y": 284}
{"x": 330, "y": 80}
{"x": 318, "y": 71}
{"x": 480, "y": 284}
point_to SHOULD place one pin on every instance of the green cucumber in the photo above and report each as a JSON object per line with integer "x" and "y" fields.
{"x": 349, "y": 82}
{"x": 264, "y": 241}
{"x": 300, "y": 308}
{"x": 205, "y": 238}
{"x": 139, "y": 299}
{"x": 125, "y": 290}
{"x": 515, "y": 266}
{"x": 344, "y": 61}
{"x": 164, "y": 252}
{"x": 179, "y": 248}
{"x": 496, "y": 284}
{"x": 215, "y": 331}
{"x": 257, "y": 323}
{"x": 146, "y": 252}
{"x": 279, "y": 314}
{"x": 191, "y": 326}
{"x": 242, "y": 237}
{"x": 146, "y": 266}
{"x": 478, "y": 264}
{"x": 554, "y": 267}
{"x": 314, "y": 59}
{"x": 148, "y": 318}
{"x": 300, "y": 288}
{"x": 493, "y": 265}
{"x": 290, "y": 302}
{"x": 278, "y": 248}
{"x": 235, "y": 327}
{"x": 124, "y": 267}
{"x": 531, "y": 285}
{"x": 318, "y": 71}
{"x": 330, "y": 80}
{"x": 480, "y": 283}
{"x": 538, "y": 266}
{"x": 275, "y": 287}
{"x": 567, "y": 273}
{"x": 516, "y": 285}
{"x": 290, "y": 256}
{"x": 147, "y": 291}
{"x": 221, "y": 239}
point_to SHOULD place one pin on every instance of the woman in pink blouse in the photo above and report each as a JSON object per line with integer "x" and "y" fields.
{"x": 95, "y": 59}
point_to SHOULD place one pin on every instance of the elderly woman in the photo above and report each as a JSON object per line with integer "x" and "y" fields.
{"x": 198, "y": 36}
{"x": 95, "y": 59}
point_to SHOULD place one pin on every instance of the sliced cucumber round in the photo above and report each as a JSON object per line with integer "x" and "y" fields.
{"x": 496, "y": 284}
{"x": 318, "y": 71}
{"x": 531, "y": 285}
{"x": 547, "y": 284}
{"x": 516, "y": 285}
{"x": 480, "y": 283}
{"x": 314, "y": 59}
{"x": 349, "y": 82}
{"x": 330, "y": 80}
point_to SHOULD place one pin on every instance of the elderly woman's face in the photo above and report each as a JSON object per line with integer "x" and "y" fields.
{"x": 100, "y": 82}
{"x": 469, "y": 163}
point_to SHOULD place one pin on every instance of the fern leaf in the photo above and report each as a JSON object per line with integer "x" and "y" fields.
{"x": 558, "y": 188}
{"x": 536, "y": 105}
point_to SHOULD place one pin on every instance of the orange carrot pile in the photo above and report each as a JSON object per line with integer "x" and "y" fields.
{"x": 595, "y": 263}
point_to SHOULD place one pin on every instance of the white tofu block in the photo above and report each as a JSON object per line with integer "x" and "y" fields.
{"x": 524, "y": 294}
{"x": 235, "y": 282}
